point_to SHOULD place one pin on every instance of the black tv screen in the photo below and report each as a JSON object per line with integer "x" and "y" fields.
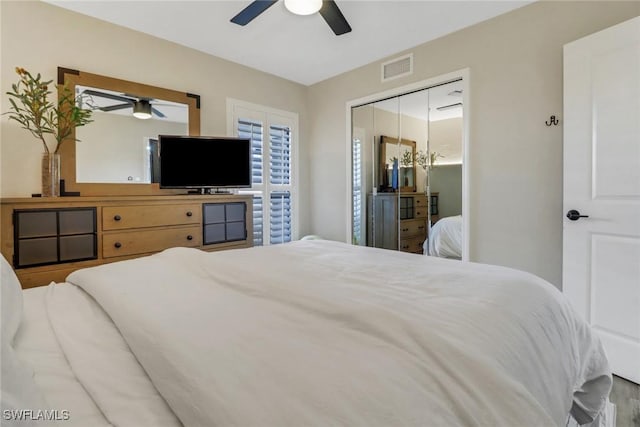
{"x": 204, "y": 162}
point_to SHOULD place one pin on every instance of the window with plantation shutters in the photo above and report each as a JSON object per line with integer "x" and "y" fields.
{"x": 357, "y": 191}
{"x": 273, "y": 137}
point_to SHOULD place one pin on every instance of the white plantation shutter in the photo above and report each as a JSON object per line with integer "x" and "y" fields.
{"x": 273, "y": 188}
{"x": 257, "y": 221}
{"x": 279, "y": 155}
{"x": 357, "y": 191}
{"x": 280, "y": 220}
{"x": 280, "y": 176}
{"x": 253, "y": 130}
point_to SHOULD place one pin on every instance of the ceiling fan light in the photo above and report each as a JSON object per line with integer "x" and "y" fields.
{"x": 303, "y": 7}
{"x": 142, "y": 110}
{"x": 450, "y": 106}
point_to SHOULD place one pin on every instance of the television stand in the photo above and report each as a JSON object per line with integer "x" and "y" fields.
{"x": 205, "y": 191}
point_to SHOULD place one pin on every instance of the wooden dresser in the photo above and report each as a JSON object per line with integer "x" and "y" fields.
{"x": 397, "y": 221}
{"x": 45, "y": 239}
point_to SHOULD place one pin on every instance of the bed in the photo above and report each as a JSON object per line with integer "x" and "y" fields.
{"x": 445, "y": 238}
{"x": 306, "y": 333}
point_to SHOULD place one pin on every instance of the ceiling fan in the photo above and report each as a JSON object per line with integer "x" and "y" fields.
{"x": 327, "y": 8}
{"x": 142, "y": 107}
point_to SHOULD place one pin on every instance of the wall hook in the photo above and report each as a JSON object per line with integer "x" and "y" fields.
{"x": 552, "y": 121}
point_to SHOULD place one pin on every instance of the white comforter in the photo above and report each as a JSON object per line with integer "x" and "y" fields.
{"x": 445, "y": 238}
{"x": 323, "y": 333}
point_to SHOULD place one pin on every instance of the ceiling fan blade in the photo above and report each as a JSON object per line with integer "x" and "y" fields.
{"x": 158, "y": 113}
{"x": 336, "y": 20}
{"x": 115, "y": 107}
{"x": 250, "y": 12}
{"x": 107, "y": 95}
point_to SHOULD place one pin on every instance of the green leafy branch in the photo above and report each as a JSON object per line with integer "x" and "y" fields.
{"x": 32, "y": 109}
{"x": 425, "y": 159}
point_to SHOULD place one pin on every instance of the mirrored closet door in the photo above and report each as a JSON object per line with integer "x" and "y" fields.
{"x": 407, "y": 172}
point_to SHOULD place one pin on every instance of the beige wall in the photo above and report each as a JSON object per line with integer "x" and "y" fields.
{"x": 446, "y": 180}
{"x": 40, "y": 37}
{"x": 515, "y": 167}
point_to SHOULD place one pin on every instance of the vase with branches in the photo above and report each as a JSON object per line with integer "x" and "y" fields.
{"x": 32, "y": 108}
{"x": 426, "y": 160}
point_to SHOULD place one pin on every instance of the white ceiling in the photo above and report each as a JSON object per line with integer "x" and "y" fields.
{"x": 298, "y": 48}
{"x": 425, "y": 104}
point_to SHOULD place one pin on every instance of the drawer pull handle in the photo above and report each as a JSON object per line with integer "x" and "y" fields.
{"x": 118, "y": 245}
{"x": 421, "y": 227}
{"x": 117, "y": 218}
{"x": 189, "y": 213}
{"x": 405, "y": 229}
{"x": 189, "y": 237}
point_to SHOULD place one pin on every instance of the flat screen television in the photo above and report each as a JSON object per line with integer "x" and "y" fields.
{"x": 204, "y": 162}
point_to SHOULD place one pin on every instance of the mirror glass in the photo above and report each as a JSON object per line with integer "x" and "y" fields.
{"x": 116, "y": 153}
{"x": 407, "y": 172}
{"x": 118, "y": 147}
{"x": 397, "y": 165}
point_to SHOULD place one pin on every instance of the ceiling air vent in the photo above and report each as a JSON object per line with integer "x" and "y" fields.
{"x": 398, "y": 67}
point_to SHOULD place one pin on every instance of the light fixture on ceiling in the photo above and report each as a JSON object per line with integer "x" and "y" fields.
{"x": 303, "y": 7}
{"x": 142, "y": 109}
{"x": 450, "y": 106}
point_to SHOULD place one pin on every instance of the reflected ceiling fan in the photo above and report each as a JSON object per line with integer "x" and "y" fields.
{"x": 327, "y": 8}
{"x": 142, "y": 107}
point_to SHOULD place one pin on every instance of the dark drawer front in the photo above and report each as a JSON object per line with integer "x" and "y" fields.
{"x": 54, "y": 236}
{"x": 224, "y": 222}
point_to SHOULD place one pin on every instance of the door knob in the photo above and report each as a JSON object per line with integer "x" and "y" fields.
{"x": 574, "y": 215}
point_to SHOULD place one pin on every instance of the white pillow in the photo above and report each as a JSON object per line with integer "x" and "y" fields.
{"x": 19, "y": 390}
{"x": 11, "y": 302}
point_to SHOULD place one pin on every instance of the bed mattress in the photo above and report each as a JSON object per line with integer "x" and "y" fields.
{"x": 314, "y": 333}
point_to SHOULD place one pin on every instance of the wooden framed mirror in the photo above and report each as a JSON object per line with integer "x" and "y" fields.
{"x": 117, "y": 158}
{"x": 397, "y": 165}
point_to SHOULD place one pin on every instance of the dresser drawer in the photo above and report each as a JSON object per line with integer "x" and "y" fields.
{"x": 123, "y": 217}
{"x": 420, "y": 201}
{"x": 413, "y": 244}
{"x": 146, "y": 241}
{"x": 413, "y": 227}
{"x": 421, "y": 212}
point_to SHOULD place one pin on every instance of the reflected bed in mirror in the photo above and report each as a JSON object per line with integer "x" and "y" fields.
{"x": 116, "y": 153}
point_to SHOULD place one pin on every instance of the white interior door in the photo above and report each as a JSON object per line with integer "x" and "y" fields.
{"x": 601, "y": 252}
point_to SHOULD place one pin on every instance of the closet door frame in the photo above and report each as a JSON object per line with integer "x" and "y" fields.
{"x": 463, "y": 75}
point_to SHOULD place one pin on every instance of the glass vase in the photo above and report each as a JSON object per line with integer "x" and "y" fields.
{"x": 50, "y": 175}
